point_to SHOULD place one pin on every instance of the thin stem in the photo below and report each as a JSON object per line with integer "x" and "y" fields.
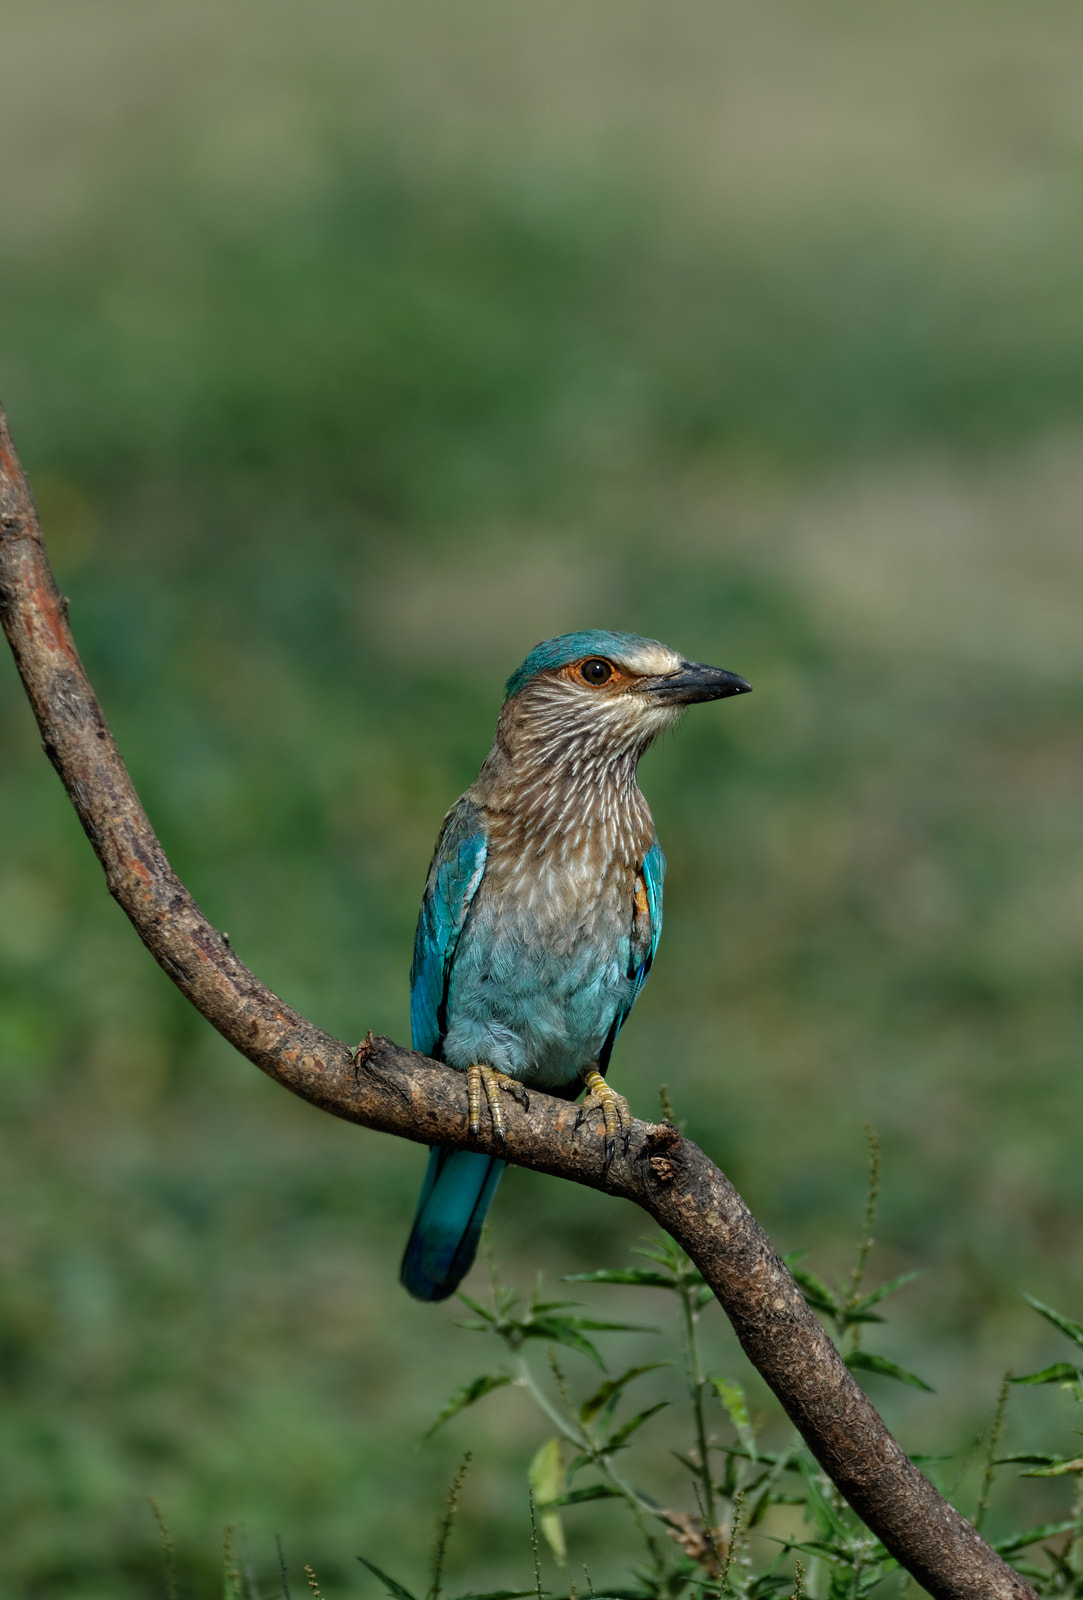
{"x": 581, "y": 1440}
{"x": 168, "y": 1551}
{"x": 1068, "y": 1552}
{"x": 443, "y": 1530}
{"x": 282, "y": 1572}
{"x": 731, "y": 1549}
{"x": 229, "y": 1564}
{"x": 697, "y": 1383}
{"x": 534, "y": 1545}
{"x": 872, "y": 1195}
{"x": 990, "y": 1463}
{"x": 526, "y": 1378}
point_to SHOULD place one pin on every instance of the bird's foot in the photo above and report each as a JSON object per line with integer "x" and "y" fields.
{"x": 482, "y": 1079}
{"x": 616, "y": 1112}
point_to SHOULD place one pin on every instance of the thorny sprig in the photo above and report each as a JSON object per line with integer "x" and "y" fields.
{"x": 169, "y": 1554}
{"x": 399, "y": 1591}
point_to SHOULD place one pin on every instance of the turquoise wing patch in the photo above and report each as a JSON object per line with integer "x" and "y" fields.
{"x": 457, "y": 867}
{"x": 654, "y": 871}
{"x": 646, "y": 932}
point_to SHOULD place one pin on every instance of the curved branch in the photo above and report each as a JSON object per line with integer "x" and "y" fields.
{"x": 385, "y": 1087}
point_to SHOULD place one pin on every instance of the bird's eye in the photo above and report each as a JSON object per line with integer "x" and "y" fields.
{"x": 595, "y": 671}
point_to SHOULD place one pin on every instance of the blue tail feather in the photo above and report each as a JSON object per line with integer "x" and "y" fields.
{"x": 457, "y": 1192}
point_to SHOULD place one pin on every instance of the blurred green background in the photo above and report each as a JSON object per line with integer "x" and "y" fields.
{"x": 352, "y": 349}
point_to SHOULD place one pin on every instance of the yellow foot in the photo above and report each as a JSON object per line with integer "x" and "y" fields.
{"x": 480, "y": 1077}
{"x": 616, "y": 1112}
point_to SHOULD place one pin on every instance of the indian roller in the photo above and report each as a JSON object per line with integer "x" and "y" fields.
{"x": 542, "y": 909}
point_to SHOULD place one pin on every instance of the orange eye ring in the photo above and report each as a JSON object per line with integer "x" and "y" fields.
{"x": 595, "y": 671}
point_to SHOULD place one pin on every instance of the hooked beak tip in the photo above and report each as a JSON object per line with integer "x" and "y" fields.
{"x": 694, "y": 682}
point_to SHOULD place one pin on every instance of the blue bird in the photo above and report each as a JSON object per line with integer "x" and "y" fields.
{"x": 542, "y": 909}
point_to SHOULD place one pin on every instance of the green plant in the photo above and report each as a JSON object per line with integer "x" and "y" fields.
{"x": 760, "y": 1520}
{"x": 1061, "y": 1541}
{"x": 738, "y": 1536}
{"x": 735, "y": 1483}
{"x": 398, "y": 1591}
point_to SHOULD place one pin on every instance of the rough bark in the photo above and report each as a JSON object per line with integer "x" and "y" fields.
{"x": 383, "y": 1086}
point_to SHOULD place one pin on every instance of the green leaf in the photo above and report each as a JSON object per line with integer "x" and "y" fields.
{"x": 569, "y": 1331}
{"x": 497, "y": 1594}
{"x": 827, "y": 1520}
{"x": 477, "y": 1309}
{"x": 614, "y": 1327}
{"x": 609, "y": 1391}
{"x": 1056, "y": 1469}
{"x": 1061, "y": 1372}
{"x": 624, "y": 1433}
{"x": 1048, "y": 1530}
{"x": 735, "y": 1403}
{"x": 765, "y": 1492}
{"x": 393, "y": 1588}
{"x": 1065, "y": 1324}
{"x": 577, "y": 1497}
{"x": 668, "y": 1253}
{"x": 561, "y": 1330}
{"x": 613, "y": 1594}
{"x": 884, "y": 1290}
{"x": 467, "y": 1395}
{"x": 546, "y": 1475}
{"x": 641, "y": 1275}
{"x": 861, "y": 1360}
{"x": 816, "y": 1293}
{"x": 810, "y": 1547}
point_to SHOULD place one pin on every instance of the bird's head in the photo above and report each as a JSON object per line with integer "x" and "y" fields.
{"x": 607, "y": 694}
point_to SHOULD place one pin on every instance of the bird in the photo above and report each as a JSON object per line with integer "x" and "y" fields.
{"x": 542, "y": 911}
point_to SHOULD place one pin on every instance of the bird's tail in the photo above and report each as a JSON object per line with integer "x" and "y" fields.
{"x": 457, "y": 1192}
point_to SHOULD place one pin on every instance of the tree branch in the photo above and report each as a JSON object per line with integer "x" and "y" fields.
{"x": 383, "y": 1086}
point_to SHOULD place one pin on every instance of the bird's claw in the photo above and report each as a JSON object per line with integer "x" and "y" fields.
{"x": 482, "y": 1079}
{"x": 616, "y": 1112}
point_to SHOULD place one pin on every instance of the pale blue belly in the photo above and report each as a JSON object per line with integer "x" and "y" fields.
{"x": 536, "y": 1002}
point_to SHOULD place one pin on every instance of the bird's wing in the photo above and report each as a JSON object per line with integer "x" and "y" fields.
{"x": 457, "y": 866}
{"x": 645, "y": 938}
{"x": 646, "y": 932}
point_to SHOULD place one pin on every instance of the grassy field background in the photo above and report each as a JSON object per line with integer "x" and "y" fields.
{"x": 351, "y": 350}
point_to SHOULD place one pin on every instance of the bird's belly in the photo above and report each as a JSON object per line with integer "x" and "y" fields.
{"x": 537, "y": 999}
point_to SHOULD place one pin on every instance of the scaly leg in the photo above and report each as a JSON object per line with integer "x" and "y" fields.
{"x": 616, "y": 1111}
{"x": 479, "y": 1077}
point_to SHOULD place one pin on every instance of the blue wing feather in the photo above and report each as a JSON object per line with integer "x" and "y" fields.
{"x": 459, "y": 1184}
{"x": 654, "y": 871}
{"x": 644, "y": 944}
{"x": 456, "y": 869}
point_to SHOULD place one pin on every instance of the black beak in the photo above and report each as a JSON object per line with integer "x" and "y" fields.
{"x": 692, "y": 682}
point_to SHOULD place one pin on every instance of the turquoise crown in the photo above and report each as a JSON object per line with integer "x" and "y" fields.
{"x": 552, "y": 654}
